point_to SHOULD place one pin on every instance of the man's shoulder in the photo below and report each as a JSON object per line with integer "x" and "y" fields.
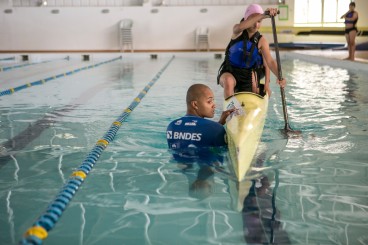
{"x": 198, "y": 121}
{"x": 183, "y": 120}
{"x": 193, "y": 121}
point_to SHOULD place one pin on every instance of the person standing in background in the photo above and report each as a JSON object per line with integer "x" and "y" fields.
{"x": 351, "y": 18}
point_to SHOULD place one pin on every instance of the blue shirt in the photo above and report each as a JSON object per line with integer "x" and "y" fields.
{"x": 195, "y": 138}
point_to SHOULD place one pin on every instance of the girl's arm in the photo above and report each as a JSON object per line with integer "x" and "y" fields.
{"x": 343, "y": 16}
{"x": 354, "y": 17}
{"x": 267, "y": 88}
{"x": 271, "y": 63}
{"x": 265, "y": 49}
{"x": 245, "y": 24}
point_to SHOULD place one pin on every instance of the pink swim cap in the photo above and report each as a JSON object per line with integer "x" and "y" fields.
{"x": 253, "y": 9}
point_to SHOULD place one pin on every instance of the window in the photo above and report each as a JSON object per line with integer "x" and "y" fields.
{"x": 329, "y": 11}
{"x": 320, "y": 13}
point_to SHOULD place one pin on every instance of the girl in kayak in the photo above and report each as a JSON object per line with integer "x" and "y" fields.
{"x": 247, "y": 56}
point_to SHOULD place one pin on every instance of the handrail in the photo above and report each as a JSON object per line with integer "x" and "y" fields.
{"x": 45, "y": 223}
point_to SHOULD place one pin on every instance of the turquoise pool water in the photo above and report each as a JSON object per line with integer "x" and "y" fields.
{"x": 310, "y": 189}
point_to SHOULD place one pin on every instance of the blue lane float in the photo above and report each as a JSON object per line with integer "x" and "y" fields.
{"x": 8, "y": 68}
{"x": 47, "y": 221}
{"x": 7, "y": 58}
{"x": 42, "y": 81}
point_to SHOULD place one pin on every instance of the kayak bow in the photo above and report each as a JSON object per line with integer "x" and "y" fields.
{"x": 244, "y": 128}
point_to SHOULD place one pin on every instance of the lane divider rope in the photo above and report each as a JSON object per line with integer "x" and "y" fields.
{"x": 46, "y": 222}
{"x": 42, "y": 81}
{"x": 8, "y": 68}
{"x": 8, "y": 58}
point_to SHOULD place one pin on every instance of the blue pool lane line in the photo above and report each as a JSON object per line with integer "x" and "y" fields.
{"x": 46, "y": 222}
{"x": 8, "y": 58}
{"x": 42, "y": 81}
{"x": 28, "y": 64}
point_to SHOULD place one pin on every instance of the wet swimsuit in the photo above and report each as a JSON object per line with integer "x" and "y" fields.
{"x": 192, "y": 138}
{"x": 242, "y": 59}
{"x": 350, "y": 15}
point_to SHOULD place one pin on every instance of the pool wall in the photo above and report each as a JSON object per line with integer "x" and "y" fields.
{"x": 154, "y": 28}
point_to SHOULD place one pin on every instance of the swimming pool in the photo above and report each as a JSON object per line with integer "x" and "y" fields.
{"x": 310, "y": 189}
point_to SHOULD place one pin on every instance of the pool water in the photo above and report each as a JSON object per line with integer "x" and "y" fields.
{"x": 308, "y": 189}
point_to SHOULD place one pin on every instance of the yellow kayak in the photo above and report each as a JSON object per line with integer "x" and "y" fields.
{"x": 244, "y": 128}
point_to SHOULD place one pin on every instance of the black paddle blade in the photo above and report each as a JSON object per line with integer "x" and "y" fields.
{"x": 287, "y": 132}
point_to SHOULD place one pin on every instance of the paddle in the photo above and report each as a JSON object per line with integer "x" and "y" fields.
{"x": 287, "y": 128}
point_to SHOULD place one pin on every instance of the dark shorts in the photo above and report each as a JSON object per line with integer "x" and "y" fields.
{"x": 242, "y": 76}
{"x": 347, "y": 31}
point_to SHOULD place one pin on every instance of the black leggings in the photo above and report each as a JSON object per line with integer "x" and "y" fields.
{"x": 242, "y": 76}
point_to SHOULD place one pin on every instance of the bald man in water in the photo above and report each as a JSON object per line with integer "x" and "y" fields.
{"x": 193, "y": 130}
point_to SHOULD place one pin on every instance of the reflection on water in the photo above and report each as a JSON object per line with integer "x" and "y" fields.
{"x": 201, "y": 184}
{"x": 318, "y": 92}
{"x": 126, "y": 74}
{"x": 253, "y": 199}
{"x": 310, "y": 189}
{"x": 261, "y": 217}
{"x": 322, "y": 184}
